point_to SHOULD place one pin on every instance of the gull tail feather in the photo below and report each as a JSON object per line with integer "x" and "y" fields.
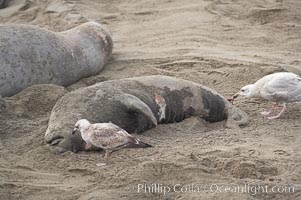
{"x": 138, "y": 145}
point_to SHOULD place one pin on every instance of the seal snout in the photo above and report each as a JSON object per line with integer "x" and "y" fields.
{"x": 55, "y": 140}
{"x": 59, "y": 144}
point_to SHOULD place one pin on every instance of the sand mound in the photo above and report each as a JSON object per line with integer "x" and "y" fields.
{"x": 35, "y": 101}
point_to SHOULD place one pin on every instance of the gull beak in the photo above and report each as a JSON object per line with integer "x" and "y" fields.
{"x": 74, "y": 131}
{"x": 235, "y": 95}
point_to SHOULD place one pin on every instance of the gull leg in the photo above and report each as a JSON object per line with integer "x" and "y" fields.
{"x": 107, "y": 155}
{"x": 282, "y": 110}
{"x": 266, "y": 113}
{"x": 88, "y": 146}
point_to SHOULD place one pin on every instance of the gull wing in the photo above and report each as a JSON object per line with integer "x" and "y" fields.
{"x": 112, "y": 137}
{"x": 283, "y": 88}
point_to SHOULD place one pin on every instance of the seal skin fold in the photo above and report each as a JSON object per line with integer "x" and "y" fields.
{"x": 136, "y": 105}
{"x": 31, "y": 55}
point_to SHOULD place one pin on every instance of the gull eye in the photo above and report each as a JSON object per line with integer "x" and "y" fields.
{"x": 243, "y": 90}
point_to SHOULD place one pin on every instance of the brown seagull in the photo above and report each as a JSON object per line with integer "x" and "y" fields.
{"x": 107, "y": 136}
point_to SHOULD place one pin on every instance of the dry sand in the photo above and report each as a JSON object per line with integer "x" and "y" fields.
{"x": 223, "y": 44}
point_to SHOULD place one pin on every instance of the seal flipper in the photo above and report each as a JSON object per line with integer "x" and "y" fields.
{"x": 236, "y": 117}
{"x": 135, "y": 105}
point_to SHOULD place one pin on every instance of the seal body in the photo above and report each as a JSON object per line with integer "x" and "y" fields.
{"x": 31, "y": 55}
{"x": 136, "y": 104}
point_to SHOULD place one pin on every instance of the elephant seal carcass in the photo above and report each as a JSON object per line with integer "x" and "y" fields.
{"x": 31, "y": 55}
{"x": 136, "y": 104}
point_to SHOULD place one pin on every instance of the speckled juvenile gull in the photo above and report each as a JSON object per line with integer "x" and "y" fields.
{"x": 281, "y": 88}
{"x": 107, "y": 136}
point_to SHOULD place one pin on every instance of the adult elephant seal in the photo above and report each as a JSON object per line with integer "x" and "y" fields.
{"x": 136, "y": 104}
{"x": 31, "y": 55}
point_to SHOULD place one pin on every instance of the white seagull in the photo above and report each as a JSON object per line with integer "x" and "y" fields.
{"x": 281, "y": 88}
{"x": 107, "y": 136}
